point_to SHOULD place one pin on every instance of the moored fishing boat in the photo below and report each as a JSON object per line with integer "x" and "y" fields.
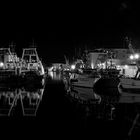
{"x": 85, "y": 80}
{"x": 8, "y": 66}
{"x": 130, "y": 85}
{"x": 31, "y": 69}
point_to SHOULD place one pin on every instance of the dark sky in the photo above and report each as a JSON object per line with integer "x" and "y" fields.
{"x": 58, "y": 28}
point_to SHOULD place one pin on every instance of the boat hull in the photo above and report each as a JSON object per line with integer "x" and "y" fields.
{"x": 106, "y": 86}
{"x": 84, "y": 82}
{"x": 85, "y": 94}
{"x": 32, "y": 79}
{"x": 129, "y": 86}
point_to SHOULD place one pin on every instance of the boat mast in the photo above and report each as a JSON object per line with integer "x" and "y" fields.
{"x": 128, "y": 41}
{"x": 66, "y": 60}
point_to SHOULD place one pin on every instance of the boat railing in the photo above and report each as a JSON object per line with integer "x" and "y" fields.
{"x": 30, "y": 61}
{"x": 7, "y": 61}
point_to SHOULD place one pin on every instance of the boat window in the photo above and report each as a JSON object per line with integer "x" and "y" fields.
{"x": 26, "y": 58}
{"x": 33, "y": 59}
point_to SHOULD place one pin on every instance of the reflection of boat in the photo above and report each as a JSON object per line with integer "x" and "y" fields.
{"x": 55, "y": 76}
{"x": 32, "y": 69}
{"x": 8, "y": 66}
{"x": 129, "y": 97}
{"x": 104, "y": 111}
{"x": 29, "y": 100}
{"x": 82, "y": 94}
{"x": 100, "y": 107}
{"x": 7, "y": 99}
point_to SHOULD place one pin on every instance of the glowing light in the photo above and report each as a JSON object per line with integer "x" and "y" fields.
{"x": 136, "y": 56}
{"x": 81, "y": 66}
{"x": 1, "y": 64}
{"x": 118, "y": 66}
{"x": 50, "y": 69}
{"x": 51, "y": 74}
{"x": 92, "y": 65}
{"x": 131, "y": 57}
{"x": 73, "y": 67}
{"x": 126, "y": 66}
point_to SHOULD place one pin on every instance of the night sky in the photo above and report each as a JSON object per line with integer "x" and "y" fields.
{"x": 58, "y": 28}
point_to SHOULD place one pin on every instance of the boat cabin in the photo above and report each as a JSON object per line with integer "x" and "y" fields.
{"x": 30, "y": 61}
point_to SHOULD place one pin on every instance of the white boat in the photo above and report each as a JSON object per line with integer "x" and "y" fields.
{"x": 29, "y": 100}
{"x": 31, "y": 66}
{"x": 30, "y": 62}
{"x": 130, "y": 85}
{"x": 83, "y": 80}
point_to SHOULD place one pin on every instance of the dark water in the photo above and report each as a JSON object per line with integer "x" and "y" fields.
{"x": 51, "y": 111}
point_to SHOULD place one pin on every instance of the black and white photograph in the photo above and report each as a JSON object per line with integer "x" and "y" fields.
{"x": 70, "y": 69}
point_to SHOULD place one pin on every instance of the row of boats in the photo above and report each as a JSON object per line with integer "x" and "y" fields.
{"x": 22, "y": 81}
{"x": 104, "y": 80}
{"x": 18, "y": 71}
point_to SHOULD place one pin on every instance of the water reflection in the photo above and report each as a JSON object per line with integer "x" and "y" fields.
{"x": 56, "y": 76}
{"x": 121, "y": 107}
{"x": 129, "y": 98}
{"x": 27, "y": 99}
{"x": 95, "y": 105}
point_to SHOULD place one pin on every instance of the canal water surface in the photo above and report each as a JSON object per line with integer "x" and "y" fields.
{"x": 52, "y": 111}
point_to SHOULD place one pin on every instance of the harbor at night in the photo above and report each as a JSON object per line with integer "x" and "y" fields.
{"x": 71, "y": 71}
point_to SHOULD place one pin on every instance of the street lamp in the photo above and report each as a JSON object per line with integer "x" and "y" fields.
{"x": 72, "y": 67}
{"x": 136, "y": 56}
{"x": 131, "y": 57}
{"x": 1, "y": 64}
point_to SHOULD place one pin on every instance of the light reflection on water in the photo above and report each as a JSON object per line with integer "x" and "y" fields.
{"x": 12, "y": 98}
{"x": 56, "y": 76}
{"x": 99, "y": 106}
